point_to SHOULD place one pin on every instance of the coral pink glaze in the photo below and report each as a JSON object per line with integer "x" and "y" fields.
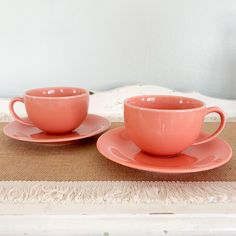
{"x": 92, "y": 125}
{"x": 116, "y": 145}
{"x": 54, "y": 110}
{"x": 167, "y": 125}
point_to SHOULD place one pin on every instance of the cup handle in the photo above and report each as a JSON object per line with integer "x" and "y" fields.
{"x": 13, "y": 113}
{"x": 220, "y": 128}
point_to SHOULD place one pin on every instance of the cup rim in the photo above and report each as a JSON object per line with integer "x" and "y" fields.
{"x": 85, "y": 92}
{"x": 126, "y": 103}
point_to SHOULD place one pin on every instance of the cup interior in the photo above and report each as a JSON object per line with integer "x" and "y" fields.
{"x": 163, "y": 102}
{"x": 56, "y": 92}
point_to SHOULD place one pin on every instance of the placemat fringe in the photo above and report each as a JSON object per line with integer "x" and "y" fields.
{"x": 117, "y": 192}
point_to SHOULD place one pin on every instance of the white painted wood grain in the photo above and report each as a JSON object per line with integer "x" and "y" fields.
{"x": 118, "y": 225}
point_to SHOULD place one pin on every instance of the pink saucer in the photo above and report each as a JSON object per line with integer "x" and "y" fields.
{"x": 116, "y": 146}
{"x": 93, "y": 125}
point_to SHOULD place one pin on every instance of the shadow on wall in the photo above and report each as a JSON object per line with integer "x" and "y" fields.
{"x": 223, "y": 67}
{"x": 184, "y": 45}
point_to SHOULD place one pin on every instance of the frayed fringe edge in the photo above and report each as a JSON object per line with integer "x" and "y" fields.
{"x": 117, "y": 192}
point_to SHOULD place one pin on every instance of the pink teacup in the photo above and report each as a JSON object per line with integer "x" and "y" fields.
{"x": 54, "y": 109}
{"x": 167, "y": 125}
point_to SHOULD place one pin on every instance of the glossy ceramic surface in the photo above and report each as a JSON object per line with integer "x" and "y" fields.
{"x": 167, "y": 125}
{"x": 92, "y": 125}
{"x": 55, "y": 109}
{"x": 118, "y": 147}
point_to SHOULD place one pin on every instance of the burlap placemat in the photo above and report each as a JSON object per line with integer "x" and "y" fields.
{"x": 82, "y": 162}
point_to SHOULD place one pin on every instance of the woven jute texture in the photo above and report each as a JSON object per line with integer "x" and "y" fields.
{"x": 82, "y": 162}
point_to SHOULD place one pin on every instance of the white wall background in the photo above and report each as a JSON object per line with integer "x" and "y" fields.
{"x": 100, "y": 44}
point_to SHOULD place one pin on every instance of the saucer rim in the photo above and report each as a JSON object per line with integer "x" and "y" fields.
{"x": 59, "y": 140}
{"x": 100, "y": 147}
